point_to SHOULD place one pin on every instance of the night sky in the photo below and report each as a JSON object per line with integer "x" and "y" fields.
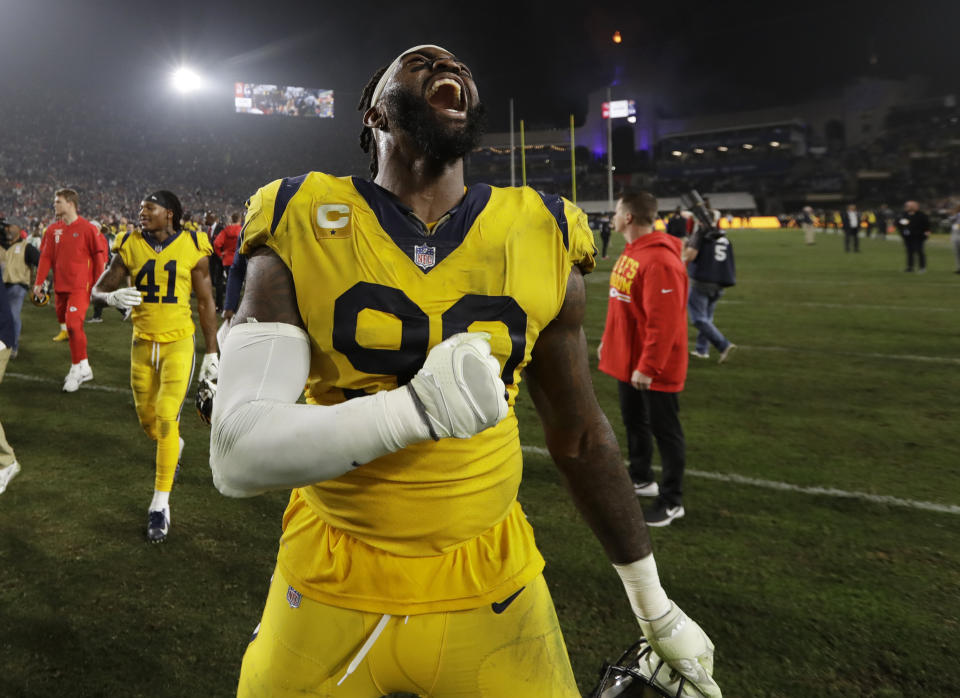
{"x": 701, "y": 57}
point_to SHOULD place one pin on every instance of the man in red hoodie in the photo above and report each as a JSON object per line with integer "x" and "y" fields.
{"x": 225, "y": 247}
{"x": 72, "y": 247}
{"x": 645, "y": 348}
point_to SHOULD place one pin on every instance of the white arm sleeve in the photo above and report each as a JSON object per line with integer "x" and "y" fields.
{"x": 262, "y": 440}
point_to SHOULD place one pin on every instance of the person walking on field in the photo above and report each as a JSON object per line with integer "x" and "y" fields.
{"x": 708, "y": 255}
{"x": 391, "y": 431}
{"x": 72, "y": 247}
{"x": 644, "y": 347}
{"x": 851, "y": 229}
{"x": 168, "y": 265}
{"x": 225, "y": 247}
{"x": 9, "y": 467}
{"x": 18, "y": 257}
{"x": 914, "y": 226}
{"x": 808, "y": 223}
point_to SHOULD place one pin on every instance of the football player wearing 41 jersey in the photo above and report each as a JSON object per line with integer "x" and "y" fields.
{"x": 409, "y": 306}
{"x": 166, "y": 264}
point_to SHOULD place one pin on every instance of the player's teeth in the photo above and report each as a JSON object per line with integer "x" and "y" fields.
{"x": 444, "y": 81}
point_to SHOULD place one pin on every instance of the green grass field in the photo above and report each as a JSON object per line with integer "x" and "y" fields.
{"x": 845, "y": 387}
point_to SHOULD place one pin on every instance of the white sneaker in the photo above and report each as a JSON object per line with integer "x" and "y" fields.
{"x": 75, "y": 377}
{"x": 646, "y": 489}
{"x": 700, "y": 354}
{"x": 7, "y": 474}
{"x": 661, "y": 514}
{"x": 725, "y": 354}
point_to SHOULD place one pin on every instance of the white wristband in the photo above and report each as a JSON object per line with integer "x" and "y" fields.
{"x": 642, "y": 584}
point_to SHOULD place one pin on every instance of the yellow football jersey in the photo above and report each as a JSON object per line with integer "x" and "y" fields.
{"x": 435, "y": 526}
{"x": 161, "y": 272}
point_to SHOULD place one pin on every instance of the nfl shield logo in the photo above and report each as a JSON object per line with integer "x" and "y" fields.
{"x": 293, "y": 597}
{"x": 424, "y": 256}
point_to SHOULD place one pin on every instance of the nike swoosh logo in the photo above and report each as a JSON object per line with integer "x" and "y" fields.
{"x": 666, "y": 290}
{"x": 502, "y": 606}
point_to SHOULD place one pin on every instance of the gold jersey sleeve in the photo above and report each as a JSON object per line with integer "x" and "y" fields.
{"x": 583, "y": 249}
{"x": 162, "y": 273}
{"x": 435, "y": 526}
{"x": 257, "y": 220}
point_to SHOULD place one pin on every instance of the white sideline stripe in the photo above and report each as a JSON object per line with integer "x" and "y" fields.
{"x": 787, "y": 487}
{"x": 826, "y": 282}
{"x": 864, "y": 355}
{"x": 856, "y": 354}
{"x": 53, "y": 381}
{"x": 603, "y": 278}
{"x": 721, "y": 477}
{"x": 862, "y": 306}
{"x": 819, "y": 491}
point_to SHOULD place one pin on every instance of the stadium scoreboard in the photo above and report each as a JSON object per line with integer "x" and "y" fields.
{"x": 619, "y": 109}
{"x": 251, "y": 98}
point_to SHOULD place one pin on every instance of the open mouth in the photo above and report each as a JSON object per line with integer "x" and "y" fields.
{"x": 446, "y": 94}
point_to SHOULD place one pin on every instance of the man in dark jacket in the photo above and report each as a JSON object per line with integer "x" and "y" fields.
{"x": 851, "y": 229}
{"x": 914, "y": 226}
{"x": 8, "y": 460}
{"x": 645, "y": 348}
{"x": 677, "y": 225}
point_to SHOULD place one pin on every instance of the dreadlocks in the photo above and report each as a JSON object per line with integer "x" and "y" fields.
{"x": 366, "y": 133}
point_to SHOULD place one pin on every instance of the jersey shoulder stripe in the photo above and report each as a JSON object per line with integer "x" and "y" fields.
{"x": 289, "y": 186}
{"x": 555, "y": 206}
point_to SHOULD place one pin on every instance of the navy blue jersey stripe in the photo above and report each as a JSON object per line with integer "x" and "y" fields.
{"x": 288, "y": 187}
{"x": 126, "y": 236}
{"x": 554, "y": 205}
{"x": 196, "y": 242}
{"x": 406, "y": 231}
{"x": 156, "y": 244}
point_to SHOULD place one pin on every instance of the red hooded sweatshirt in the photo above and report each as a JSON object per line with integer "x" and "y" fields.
{"x": 646, "y": 326}
{"x": 75, "y": 253}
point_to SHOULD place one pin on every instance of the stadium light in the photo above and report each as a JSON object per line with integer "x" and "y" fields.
{"x": 617, "y": 38}
{"x": 747, "y": 146}
{"x": 698, "y": 151}
{"x": 631, "y": 119}
{"x": 722, "y": 148}
{"x": 185, "y": 79}
{"x": 676, "y": 153}
{"x": 774, "y": 144}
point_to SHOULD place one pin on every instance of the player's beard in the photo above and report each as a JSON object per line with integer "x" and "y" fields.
{"x": 441, "y": 140}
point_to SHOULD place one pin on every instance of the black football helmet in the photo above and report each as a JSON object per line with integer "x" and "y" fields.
{"x": 206, "y": 391}
{"x": 640, "y": 673}
{"x": 44, "y": 295}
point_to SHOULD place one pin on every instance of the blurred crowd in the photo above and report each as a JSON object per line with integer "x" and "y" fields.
{"x": 212, "y": 164}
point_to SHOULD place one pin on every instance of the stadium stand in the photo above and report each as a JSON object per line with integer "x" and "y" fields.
{"x": 909, "y": 150}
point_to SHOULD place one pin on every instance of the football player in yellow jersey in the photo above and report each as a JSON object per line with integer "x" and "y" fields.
{"x": 166, "y": 264}
{"x": 406, "y": 305}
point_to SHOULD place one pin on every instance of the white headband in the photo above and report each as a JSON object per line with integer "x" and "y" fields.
{"x": 388, "y": 73}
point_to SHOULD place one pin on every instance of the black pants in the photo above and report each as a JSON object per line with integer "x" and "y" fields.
{"x": 914, "y": 245}
{"x": 848, "y": 236}
{"x": 652, "y": 415}
{"x": 605, "y": 242}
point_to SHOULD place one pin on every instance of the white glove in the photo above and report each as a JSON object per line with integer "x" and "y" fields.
{"x": 125, "y": 298}
{"x": 210, "y": 368}
{"x": 460, "y": 387}
{"x": 683, "y": 645}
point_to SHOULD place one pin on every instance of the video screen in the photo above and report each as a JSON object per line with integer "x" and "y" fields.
{"x": 284, "y": 100}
